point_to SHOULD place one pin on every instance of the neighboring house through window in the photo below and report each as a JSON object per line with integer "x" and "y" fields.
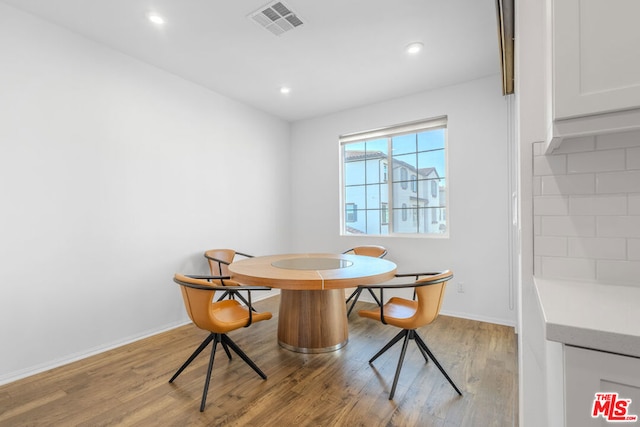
{"x": 384, "y": 219}
{"x": 351, "y": 212}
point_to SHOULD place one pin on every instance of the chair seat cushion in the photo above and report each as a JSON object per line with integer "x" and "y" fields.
{"x": 397, "y": 312}
{"x": 230, "y": 315}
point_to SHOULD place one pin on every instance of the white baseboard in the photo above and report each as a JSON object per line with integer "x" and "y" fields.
{"x": 496, "y": 321}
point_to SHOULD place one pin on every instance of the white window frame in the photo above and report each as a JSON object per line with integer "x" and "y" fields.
{"x": 387, "y": 132}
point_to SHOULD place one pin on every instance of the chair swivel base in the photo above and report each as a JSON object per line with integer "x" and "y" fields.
{"x": 226, "y": 342}
{"x": 411, "y": 334}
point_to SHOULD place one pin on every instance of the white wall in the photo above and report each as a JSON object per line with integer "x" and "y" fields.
{"x": 113, "y": 176}
{"x": 477, "y": 250}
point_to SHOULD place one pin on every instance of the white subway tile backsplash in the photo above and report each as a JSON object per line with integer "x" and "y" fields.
{"x": 633, "y": 158}
{"x": 596, "y": 161}
{"x": 569, "y": 268}
{"x": 568, "y": 184}
{"x": 598, "y": 205}
{"x": 570, "y": 226}
{"x": 619, "y": 272}
{"x": 597, "y": 248}
{"x": 618, "y": 226}
{"x": 552, "y": 205}
{"x": 618, "y": 182}
{"x": 618, "y": 140}
{"x": 634, "y": 204}
{"x": 549, "y": 165}
{"x": 550, "y": 246}
{"x": 633, "y": 249}
{"x": 586, "y": 203}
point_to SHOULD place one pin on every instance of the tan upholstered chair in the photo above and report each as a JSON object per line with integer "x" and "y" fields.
{"x": 219, "y": 318}
{"x": 219, "y": 260}
{"x": 409, "y": 315}
{"x": 366, "y": 250}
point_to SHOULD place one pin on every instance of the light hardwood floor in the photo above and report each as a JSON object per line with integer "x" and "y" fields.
{"x": 129, "y": 385}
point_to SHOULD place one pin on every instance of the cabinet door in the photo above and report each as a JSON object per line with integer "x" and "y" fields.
{"x": 596, "y": 57}
{"x": 588, "y": 372}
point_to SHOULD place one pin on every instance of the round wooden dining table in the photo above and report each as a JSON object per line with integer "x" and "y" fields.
{"x": 312, "y": 315}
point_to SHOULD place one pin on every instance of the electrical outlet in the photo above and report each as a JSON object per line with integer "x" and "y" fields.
{"x": 461, "y": 287}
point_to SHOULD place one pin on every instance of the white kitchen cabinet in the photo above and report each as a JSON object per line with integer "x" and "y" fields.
{"x": 588, "y": 372}
{"x": 606, "y": 320}
{"x": 595, "y": 67}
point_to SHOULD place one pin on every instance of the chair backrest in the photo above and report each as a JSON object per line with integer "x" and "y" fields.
{"x": 368, "y": 250}
{"x": 197, "y": 301}
{"x": 219, "y": 259}
{"x": 430, "y": 297}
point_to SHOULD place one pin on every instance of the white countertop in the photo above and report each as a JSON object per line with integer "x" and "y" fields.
{"x": 591, "y": 315}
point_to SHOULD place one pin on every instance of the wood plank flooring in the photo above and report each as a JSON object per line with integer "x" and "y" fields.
{"x": 129, "y": 386}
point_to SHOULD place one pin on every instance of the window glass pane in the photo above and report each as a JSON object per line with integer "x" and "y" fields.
{"x": 384, "y": 213}
{"x": 351, "y": 213}
{"x": 401, "y": 195}
{"x": 373, "y": 221}
{"x": 375, "y": 196}
{"x": 403, "y": 220}
{"x": 432, "y": 192}
{"x": 434, "y": 221}
{"x": 432, "y": 160}
{"x": 356, "y": 147}
{"x": 375, "y": 171}
{"x": 359, "y": 225}
{"x": 377, "y": 147}
{"x": 355, "y": 194}
{"x": 353, "y": 167}
{"x": 403, "y": 167}
{"x": 403, "y": 144}
{"x": 431, "y": 140}
{"x": 408, "y": 161}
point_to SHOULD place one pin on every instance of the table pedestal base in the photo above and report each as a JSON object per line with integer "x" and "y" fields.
{"x": 312, "y": 321}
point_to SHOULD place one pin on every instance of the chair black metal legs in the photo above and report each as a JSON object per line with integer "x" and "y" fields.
{"x": 356, "y": 294}
{"x": 411, "y": 334}
{"x": 423, "y": 345}
{"x": 193, "y": 356}
{"x": 226, "y": 342}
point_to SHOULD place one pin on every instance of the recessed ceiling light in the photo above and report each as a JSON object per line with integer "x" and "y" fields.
{"x": 413, "y": 48}
{"x": 285, "y": 90}
{"x": 156, "y": 19}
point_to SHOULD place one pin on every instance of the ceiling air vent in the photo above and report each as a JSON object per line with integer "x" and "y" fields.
{"x": 276, "y": 17}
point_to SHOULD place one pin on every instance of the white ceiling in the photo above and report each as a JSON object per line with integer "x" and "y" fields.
{"x": 348, "y": 53}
